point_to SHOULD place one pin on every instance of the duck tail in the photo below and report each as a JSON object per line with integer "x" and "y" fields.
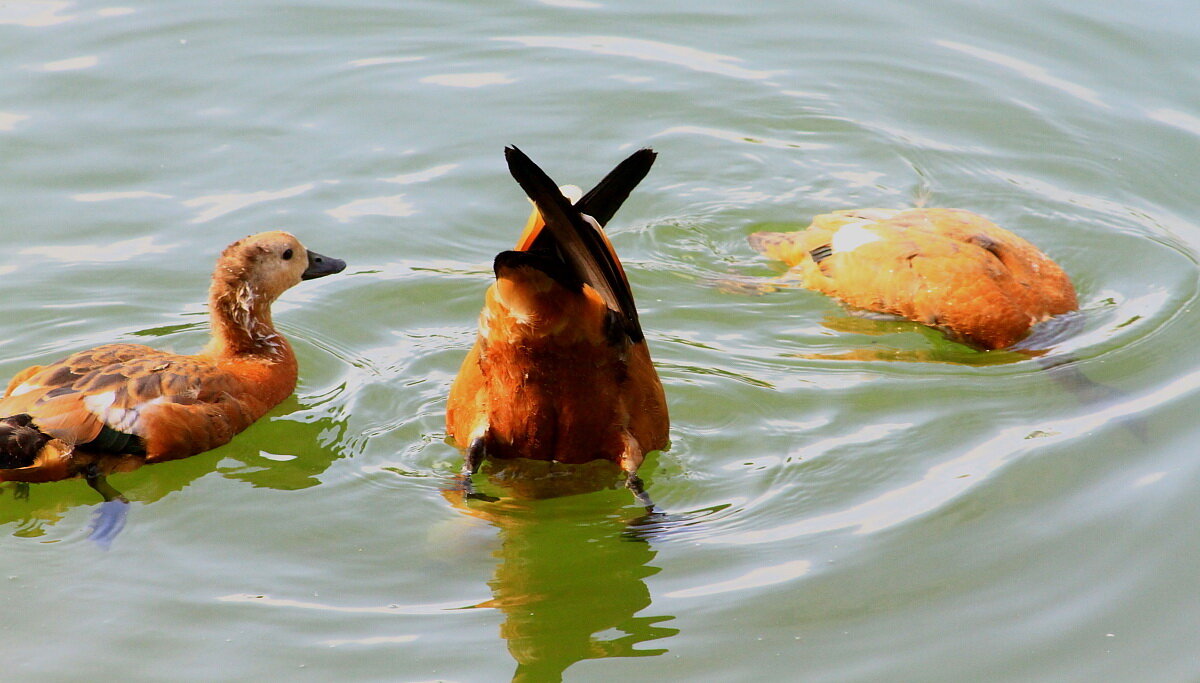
{"x": 580, "y": 243}
{"x": 24, "y": 446}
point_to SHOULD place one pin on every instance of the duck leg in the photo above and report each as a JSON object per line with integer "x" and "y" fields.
{"x": 634, "y": 483}
{"x": 1064, "y": 369}
{"x": 110, "y": 517}
{"x": 472, "y": 459}
{"x": 631, "y": 459}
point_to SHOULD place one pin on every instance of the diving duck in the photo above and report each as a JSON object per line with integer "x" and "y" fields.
{"x": 560, "y": 370}
{"x": 132, "y": 401}
{"x": 946, "y": 268}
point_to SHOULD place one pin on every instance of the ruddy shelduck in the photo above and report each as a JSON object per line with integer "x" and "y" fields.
{"x": 947, "y": 268}
{"x": 150, "y": 405}
{"x": 560, "y": 370}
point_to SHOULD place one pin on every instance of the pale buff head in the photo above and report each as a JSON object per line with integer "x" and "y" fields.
{"x": 250, "y": 275}
{"x": 270, "y": 263}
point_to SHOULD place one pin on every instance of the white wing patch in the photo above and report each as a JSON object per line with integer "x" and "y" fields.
{"x": 852, "y": 236}
{"x": 24, "y": 388}
{"x": 99, "y": 403}
{"x": 124, "y": 420}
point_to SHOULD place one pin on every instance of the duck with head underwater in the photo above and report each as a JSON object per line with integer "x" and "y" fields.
{"x": 130, "y": 403}
{"x": 560, "y": 371}
{"x": 946, "y": 268}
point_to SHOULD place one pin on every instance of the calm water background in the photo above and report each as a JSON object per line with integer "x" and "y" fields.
{"x": 850, "y": 500}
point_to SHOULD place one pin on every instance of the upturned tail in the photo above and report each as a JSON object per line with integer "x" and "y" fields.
{"x": 572, "y": 245}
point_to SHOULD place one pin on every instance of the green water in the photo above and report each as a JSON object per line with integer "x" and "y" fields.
{"x": 846, "y": 499}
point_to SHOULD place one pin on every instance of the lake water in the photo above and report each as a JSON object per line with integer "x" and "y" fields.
{"x": 844, "y": 499}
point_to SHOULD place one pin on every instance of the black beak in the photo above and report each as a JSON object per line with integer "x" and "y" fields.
{"x": 320, "y": 266}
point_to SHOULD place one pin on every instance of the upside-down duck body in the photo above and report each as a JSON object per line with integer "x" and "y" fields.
{"x": 133, "y": 400}
{"x": 947, "y": 268}
{"x": 560, "y": 370}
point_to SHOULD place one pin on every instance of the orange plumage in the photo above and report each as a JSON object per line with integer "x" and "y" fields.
{"x": 560, "y": 370}
{"x": 128, "y": 399}
{"x": 947, "y": 268}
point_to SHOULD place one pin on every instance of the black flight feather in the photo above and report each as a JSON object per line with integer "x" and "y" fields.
{"x": 602, "y": 201}
{"x": 579, "y": 242}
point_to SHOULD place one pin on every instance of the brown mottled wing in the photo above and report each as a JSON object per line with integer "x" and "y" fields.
{"x": 117, "y": 386}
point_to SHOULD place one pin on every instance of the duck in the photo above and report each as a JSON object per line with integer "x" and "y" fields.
{"x": 133, "y": 404}
{"x": 950, "y": 269}
{"x": 560, "y": 370}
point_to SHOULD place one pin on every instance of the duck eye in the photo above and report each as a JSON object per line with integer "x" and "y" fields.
{"x": 287, "y": 255}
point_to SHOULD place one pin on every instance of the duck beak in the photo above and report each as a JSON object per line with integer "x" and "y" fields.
{"x": 320, "y": 266}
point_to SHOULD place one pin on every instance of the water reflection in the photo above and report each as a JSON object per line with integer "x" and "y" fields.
{"x": 893, "y": 333}
{"x": 570, "y": 580}
{"x": 302, "y": 450}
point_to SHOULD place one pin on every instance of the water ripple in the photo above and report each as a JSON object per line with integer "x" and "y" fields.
{"x": 394, "y": 205}
{"x": 9, "y": 120}
{"x": 948, "y": 481}
{"x": 470, "y": 80}
{"x": 72, "y": 64}
{"x": 648, "y": 50}
{"x": 34, "y": 14}
{"x": 1031, "y": 71}
{"x": 221, "y": 204}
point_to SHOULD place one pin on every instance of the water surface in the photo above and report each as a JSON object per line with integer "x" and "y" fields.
{"x": 845, "y": 499}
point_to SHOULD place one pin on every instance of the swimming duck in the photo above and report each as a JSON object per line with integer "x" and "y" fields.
{"x": 947, "y": 268}
{"x": 139, "y": 403}
{"x": 560, "y": 370}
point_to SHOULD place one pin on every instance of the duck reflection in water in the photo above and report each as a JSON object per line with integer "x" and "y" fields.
{"x": 302, "y": 448}
{"x": 570, "y": 580}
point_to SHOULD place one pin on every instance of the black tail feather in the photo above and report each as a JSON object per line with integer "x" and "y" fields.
{"x": 581, "y": 243}
{"x": 602, "y": 201}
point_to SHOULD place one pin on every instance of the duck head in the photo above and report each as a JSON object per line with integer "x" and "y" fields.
{"x": 270, "y": 263}
{"x": 250, "y": 275}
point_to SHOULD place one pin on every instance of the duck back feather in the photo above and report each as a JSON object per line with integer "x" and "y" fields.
{"x": 947, "y": 268}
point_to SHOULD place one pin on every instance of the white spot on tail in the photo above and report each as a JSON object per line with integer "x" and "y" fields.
{"x": 852, "y": 236}
{"x": 572, "y": 192}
